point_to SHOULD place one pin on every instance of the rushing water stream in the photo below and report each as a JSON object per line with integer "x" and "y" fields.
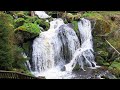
{"x": 57, "y": 51}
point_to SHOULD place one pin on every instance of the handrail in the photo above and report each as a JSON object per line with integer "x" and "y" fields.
{"x": 16, "y": 75}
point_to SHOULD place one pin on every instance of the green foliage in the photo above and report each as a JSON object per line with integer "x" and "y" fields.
{"x": 19, "y": 22}
{"x": 10, "y": 54}
{"x": 26, "y": 12}
{"x": 75, "y": 25}
{"x": 19, "y": 62}
{"x": 28, "y": 73}
{"x": 115, "y": 68}
{"x": 20, "y": 14}
{"x": 103, "y": 53}
{"x": 92, "y": 15}
{"x": 99, "y": 60}
{"x": 6, "y": 41}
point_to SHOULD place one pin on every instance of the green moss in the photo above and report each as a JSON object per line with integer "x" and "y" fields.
{"x": 19, "y": 22}
{"x": 19, "y": 62}
{"x": 42, "y": 23}
{"x": 92, "y": 15}
{"x": 102, "y": 27}
{"x": 75, "y": 25}
{"x": 115, "y": 68}
{"x": 26, "y": 46}
{"x": 20, "y": 14}
{"x": 99, "y": 60}
{"x": 117, "y": 59}
{"x": 29, "y": 27}
{"x": 106, "y": 64}
{"x": 30, "y": 19}
{"x": 26, "y": 12}
{"x": 103, "y": 53}
{"x": 28, "y": 73}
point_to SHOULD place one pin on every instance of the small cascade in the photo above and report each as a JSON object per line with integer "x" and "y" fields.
{"x": 84, "y": 56}
{"x": 27, "y": 64}
{"x": 57, "y": 51}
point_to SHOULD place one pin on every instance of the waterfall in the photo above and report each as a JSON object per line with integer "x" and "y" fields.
{"x": 42, "y": 14}
{"x": 27, "y": 63}
{"x": 84, "y": 55}
{"x": 58, "y": 50}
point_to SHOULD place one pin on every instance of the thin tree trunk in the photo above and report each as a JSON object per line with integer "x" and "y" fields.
{"x": 113, "y": 47}
{"x": 32, "y": 13}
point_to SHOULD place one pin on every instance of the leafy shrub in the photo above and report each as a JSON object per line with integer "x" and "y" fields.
{"x": 6, "y": 41}
{"x": 19, "y": 62}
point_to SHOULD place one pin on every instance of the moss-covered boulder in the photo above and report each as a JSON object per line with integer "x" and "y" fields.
{"x": 24, "y": 36}
{"x": 25, "y": 18}
{"x": 26, "y": 32}
{"x": 70, "y": 17}
{"x": 102, "y": 27}
{"x": 29, "y": 27}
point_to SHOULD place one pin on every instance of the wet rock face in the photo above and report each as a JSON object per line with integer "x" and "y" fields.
{"x": 41, "y": 77}
{"x": 100, "y": 73}
{"x": 63, "y": 69}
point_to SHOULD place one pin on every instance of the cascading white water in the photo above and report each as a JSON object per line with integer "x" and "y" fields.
{"x": 84, "y": 55}
{"x": 27, "y": 64}
{"x": 54, "y": 47}
{"x": 59, "y": 47}
{"x": 42, "y": 14}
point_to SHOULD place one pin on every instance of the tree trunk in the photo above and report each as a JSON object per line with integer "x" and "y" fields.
{"x": 32, "y": 13}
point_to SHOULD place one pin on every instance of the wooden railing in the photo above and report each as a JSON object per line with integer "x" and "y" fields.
{"x": 16, "y": 75}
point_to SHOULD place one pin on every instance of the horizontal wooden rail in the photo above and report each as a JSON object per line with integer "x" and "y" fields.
{"x": 16, "y": 75}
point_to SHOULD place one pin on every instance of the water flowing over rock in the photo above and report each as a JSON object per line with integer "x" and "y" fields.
{"x": 59, "y": 48}
{"x": 42, "y": 14}
{"x": 27, "y": 64}
{"x": 84, "y": 55}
